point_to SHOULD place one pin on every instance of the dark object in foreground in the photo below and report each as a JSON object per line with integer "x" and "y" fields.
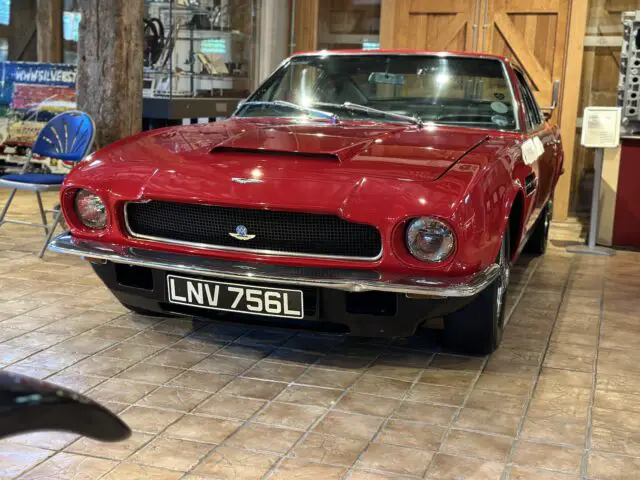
{"x": 29, "y": 405}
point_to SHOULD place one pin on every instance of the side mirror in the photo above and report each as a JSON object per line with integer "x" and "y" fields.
{"x": 555, "y": 95}
{"x": 30, "y": 405}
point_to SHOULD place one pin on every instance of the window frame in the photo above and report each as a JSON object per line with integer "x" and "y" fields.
{"x": 533, "y": 116}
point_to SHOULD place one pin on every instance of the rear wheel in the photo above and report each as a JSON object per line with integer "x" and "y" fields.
{"x": 477, "y": 328}
{"x": 538, "y": 240}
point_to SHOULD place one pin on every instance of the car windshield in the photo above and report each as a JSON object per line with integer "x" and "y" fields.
{"x": 465, "y": 91}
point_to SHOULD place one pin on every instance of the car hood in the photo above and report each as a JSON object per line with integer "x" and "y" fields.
{"x": 268, "y": 162}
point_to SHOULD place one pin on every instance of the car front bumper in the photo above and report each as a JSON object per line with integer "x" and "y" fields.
{"x": 335, "y": 279}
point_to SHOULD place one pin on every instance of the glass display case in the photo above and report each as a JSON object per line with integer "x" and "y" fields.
{"x": 197, "y": 57}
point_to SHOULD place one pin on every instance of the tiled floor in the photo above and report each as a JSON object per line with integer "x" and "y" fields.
{"x": 559, "y": 400}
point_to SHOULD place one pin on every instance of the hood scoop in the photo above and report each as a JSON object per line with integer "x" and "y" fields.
{"x": 222, "y": 149}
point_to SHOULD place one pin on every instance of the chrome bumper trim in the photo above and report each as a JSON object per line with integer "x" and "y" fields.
{"x": 338, "y": 279}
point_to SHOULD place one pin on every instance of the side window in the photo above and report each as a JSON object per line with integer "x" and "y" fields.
{"x": 533, "y": 114}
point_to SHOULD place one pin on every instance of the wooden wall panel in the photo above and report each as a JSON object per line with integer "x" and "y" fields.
{"x": 429, "y": 25}
{"x": 533, "y": 34}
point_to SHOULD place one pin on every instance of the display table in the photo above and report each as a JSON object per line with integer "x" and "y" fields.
{"x": 619, "y": 224}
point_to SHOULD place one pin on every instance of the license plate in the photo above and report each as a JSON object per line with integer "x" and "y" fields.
{"x": 232, "y": 297}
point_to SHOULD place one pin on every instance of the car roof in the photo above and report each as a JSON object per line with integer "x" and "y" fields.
{"x": 400, "y": 52}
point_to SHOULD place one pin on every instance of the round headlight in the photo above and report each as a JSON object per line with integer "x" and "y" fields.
{"x": 91, "y": 210}
{"x": 430, "y": 240}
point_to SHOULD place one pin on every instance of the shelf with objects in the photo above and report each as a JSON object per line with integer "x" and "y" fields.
{"x": 197, "y": 56}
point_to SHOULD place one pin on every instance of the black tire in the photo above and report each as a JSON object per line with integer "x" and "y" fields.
{"x": 477, "y": 328}
{"x": 537, "y": 243}
{"x": 142, "y": 311}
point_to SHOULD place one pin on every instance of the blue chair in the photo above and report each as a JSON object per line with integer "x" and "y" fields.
{"x": 67, "y": 137}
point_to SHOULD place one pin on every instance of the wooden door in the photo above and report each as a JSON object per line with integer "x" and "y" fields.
{"x": 532, "y": 33}
{"x": 429, "y": 24}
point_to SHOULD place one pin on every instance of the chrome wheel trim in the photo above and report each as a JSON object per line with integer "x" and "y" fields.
{"x": 503, "y": 279}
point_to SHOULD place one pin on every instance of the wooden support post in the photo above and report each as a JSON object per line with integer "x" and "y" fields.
{"x": 110, "y": 59}
{"x": 306, "y": 25}
{"x": 569, "y": 103}
{"x": 49, "y": 27}
{"x": 22, "y": 31}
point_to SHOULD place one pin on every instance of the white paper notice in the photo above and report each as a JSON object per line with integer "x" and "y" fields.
{"x": 529, "y": 152}
{"x": 539, "y": 146}
{"x": 601, "y": 127}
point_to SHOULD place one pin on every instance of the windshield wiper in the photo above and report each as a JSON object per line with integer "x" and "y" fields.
{"x": 364, "y": 108}
{"x": 294, "y": 106}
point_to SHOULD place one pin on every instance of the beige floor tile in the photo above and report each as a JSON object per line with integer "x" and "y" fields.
{"x": 207, "y": 382}
{"x": 252, "y": 388}
{"x": 562, "y": 433}
{"x": 297, "y": 469}
{"x": 202, "y": 429}
{"x": 368, "y": 475}
{"x": 486, "y": 400}
{"x": 422, "y": 392}
{"x": 135, "y": 471}
{"x": 529, "y": 473}
{"x": 68, "y": 466}
{"x": 265, "y": 438}
{"x": 121, "y": 391}
{"x": 150, "y": 373}
{"x": 491, "y": 421}
{"x": 306, "y": 395}
{"x": 381, "y": 386}
{"x": 149, "y": 420}
{"x": 323, "y": 377}
{"x": 411, "y": 434}
{"x": 113, "y": 451}
{"x": 367, "y": 404}
{"x": 548, "y": 457}
{"x": 330, "y": 449}
{"x": 47, "y": 440}
{"x": 425, "y": 412}
{"x": 16, "y": 459}
{"x": 614, "y": 467}
{"x": 234, "y": 463}
{"x": 455, "y": 362}
{"x": 299, "y": 417}
{"x": 478, "y": 445}
{"x": 504, "y": 384}
{"x": 211, "y": 364}
{"x": 394, "y": 459}
{"x": 171, "y": 453}
{"x": 404, "y": 373}
{"x": 349, "y": 425}
{"x": 269, "y": 370}
{"x": 180, "y": 399}
{"x": 449, "y": 467}
{"x": 173, "y": 357}
{"x": 76, "y": 382}
{"x": 228, "y": 406}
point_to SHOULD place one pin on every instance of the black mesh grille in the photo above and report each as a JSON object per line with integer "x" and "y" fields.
{"x": 286, "y": 232}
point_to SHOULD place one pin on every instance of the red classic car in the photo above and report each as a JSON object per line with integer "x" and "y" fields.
{"x": 354, "y": 192}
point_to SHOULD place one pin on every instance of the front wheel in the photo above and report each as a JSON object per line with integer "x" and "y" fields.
{"x": 477, "y": 328}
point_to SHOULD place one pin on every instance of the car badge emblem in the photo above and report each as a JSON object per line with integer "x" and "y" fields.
{"x": 246, "y": 181}
{"x": 242, "y": 233}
